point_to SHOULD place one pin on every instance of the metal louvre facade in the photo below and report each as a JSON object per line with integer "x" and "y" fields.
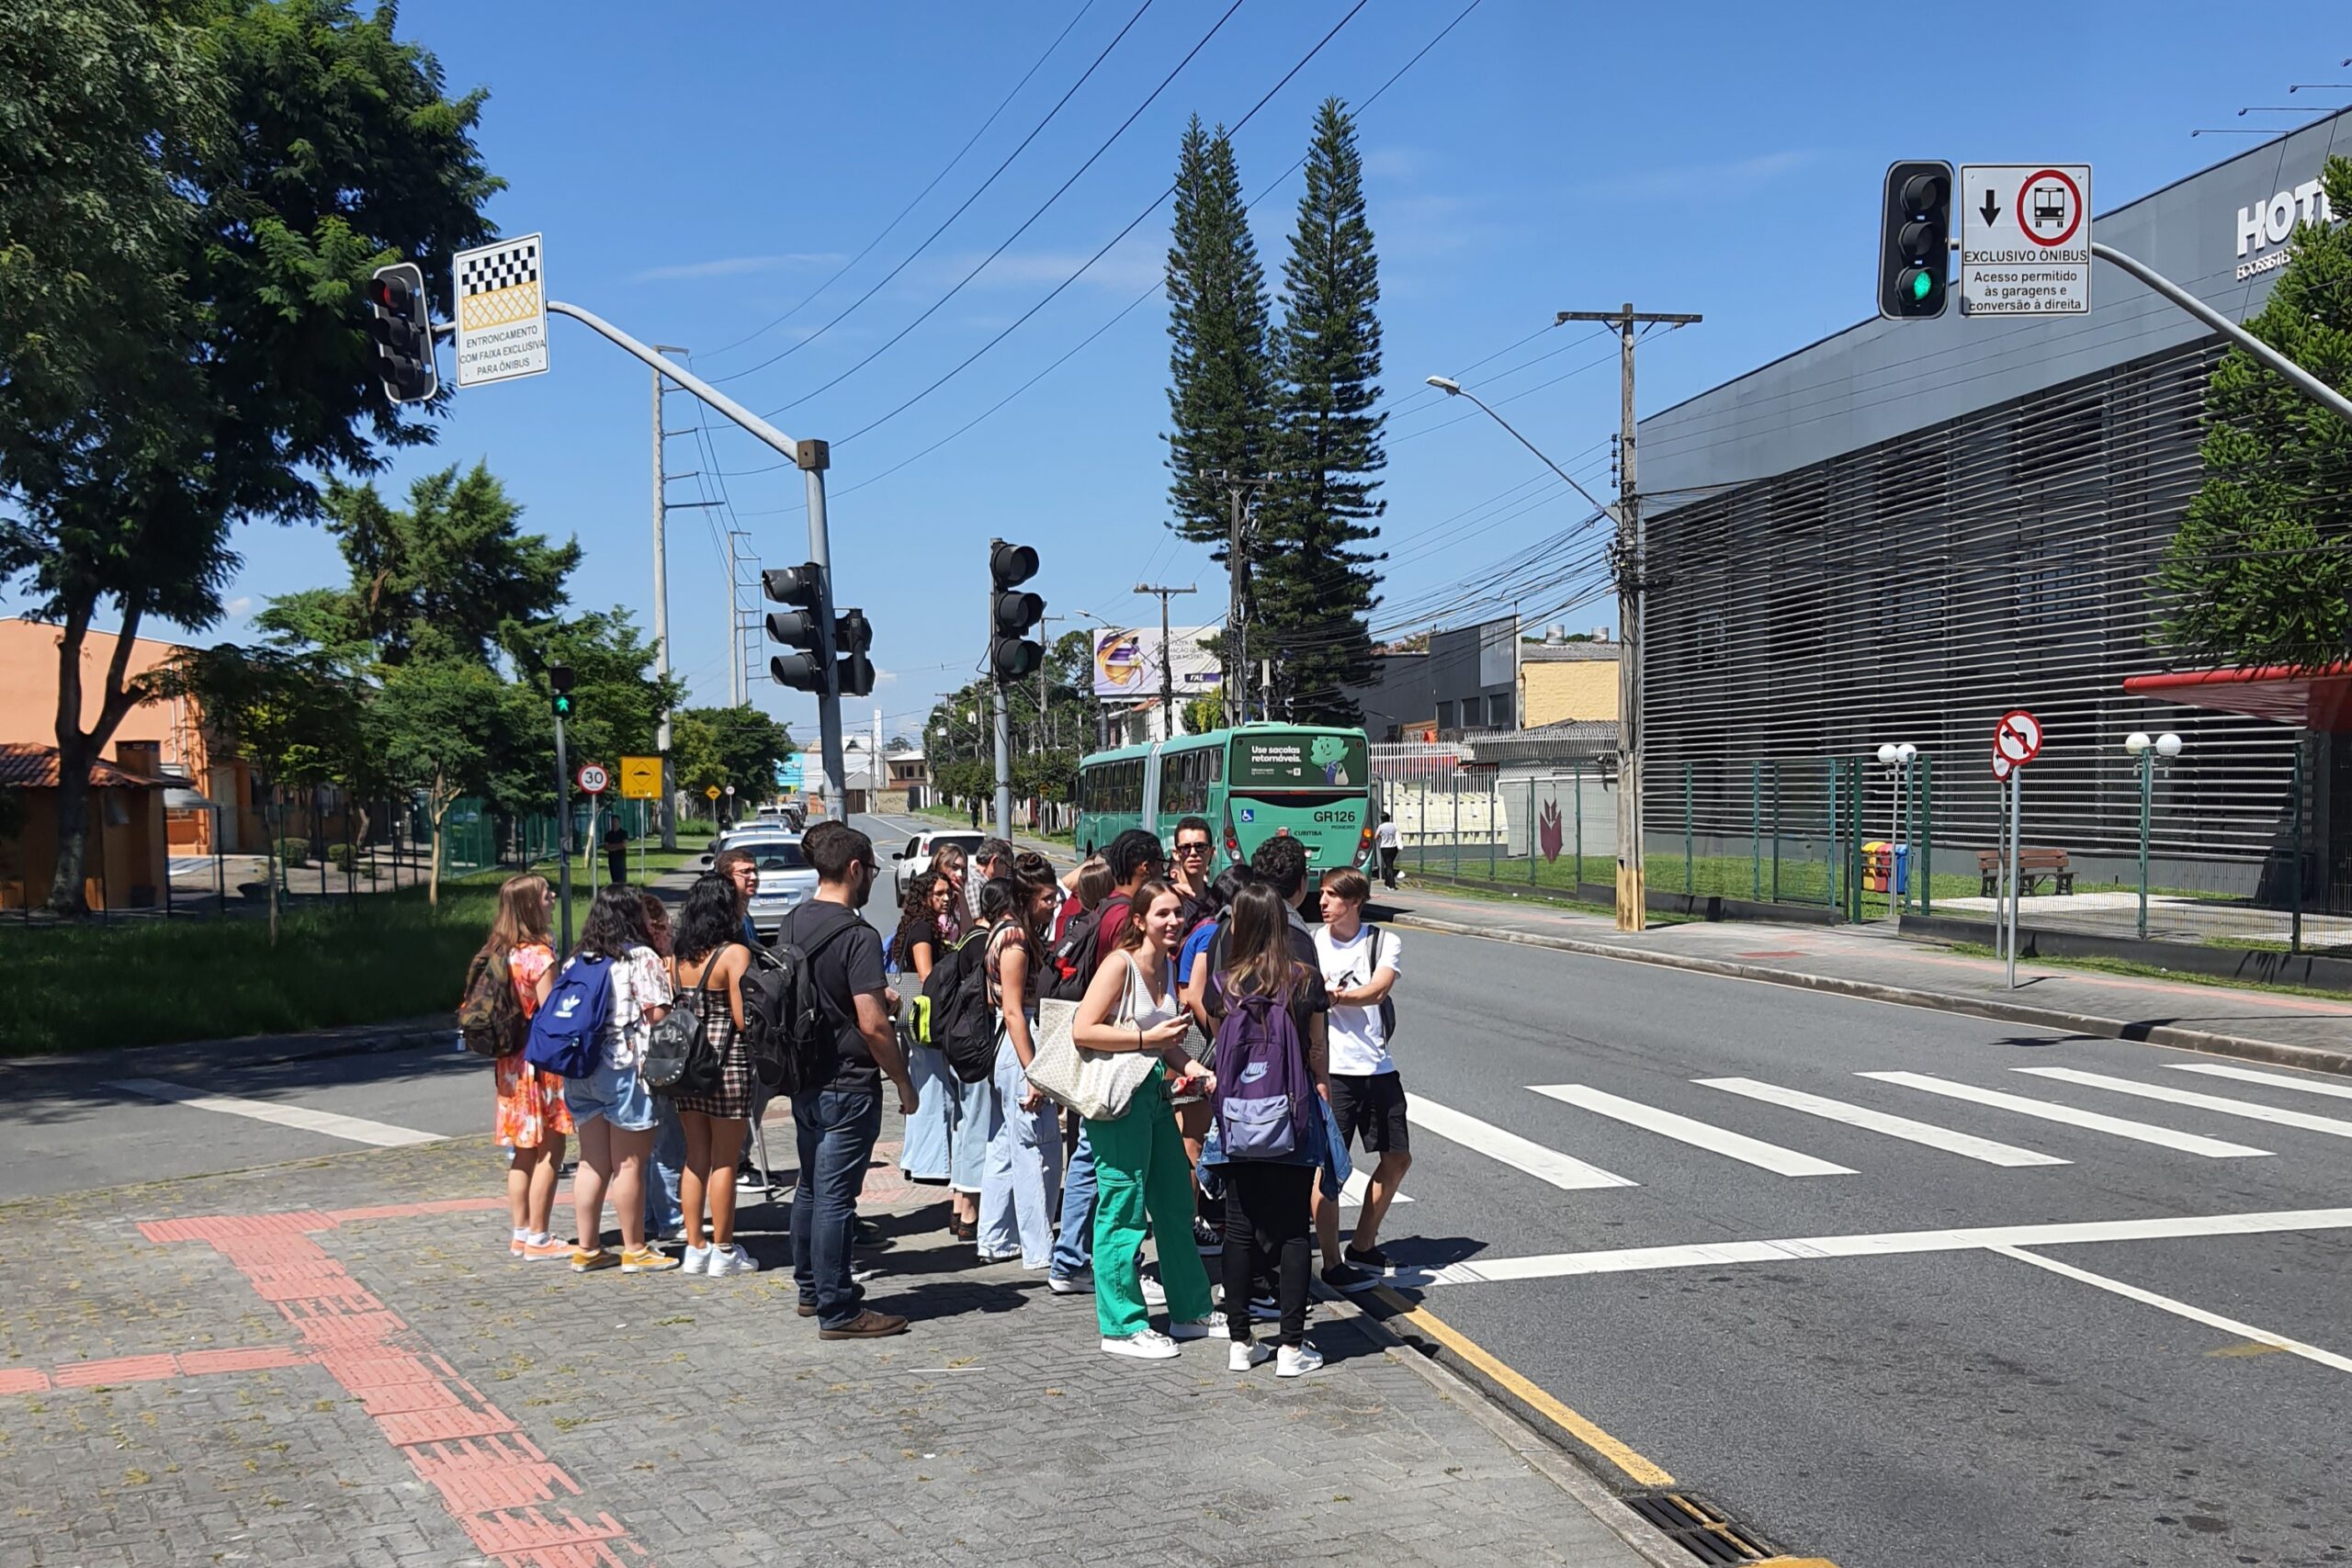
{"x": 1903, "y": 531}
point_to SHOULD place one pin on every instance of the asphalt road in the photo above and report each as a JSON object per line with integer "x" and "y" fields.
{"x": 1916, "y": 1375}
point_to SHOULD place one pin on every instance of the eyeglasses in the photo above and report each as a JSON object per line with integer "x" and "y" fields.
{"x": 1192, "y": 849}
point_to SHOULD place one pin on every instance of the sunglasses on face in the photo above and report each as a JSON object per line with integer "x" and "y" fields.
{"x": 1192, "y": 849}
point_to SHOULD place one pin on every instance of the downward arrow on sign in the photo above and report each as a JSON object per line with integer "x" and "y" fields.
{"x": 1992, "y": 209}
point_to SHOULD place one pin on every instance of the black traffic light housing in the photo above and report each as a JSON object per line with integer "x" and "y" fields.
{"x": 401, "y": 324}
{"x": 1012, "y": 613}
{"x": 852, "y": 638}
{"x": 559, "y": 690}
{"x": 1915, "y": 241}
{"x": 804, "y": 628}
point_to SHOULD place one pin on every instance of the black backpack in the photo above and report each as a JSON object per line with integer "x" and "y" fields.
{"x": 679, "y": 1057}
{"x": 490, "y": 1018}
{"x": 962, "y": 1025}
{"x": 786, "y": 1029}
{"x": 1077, "y": 955}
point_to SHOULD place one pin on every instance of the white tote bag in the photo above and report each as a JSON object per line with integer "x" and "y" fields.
{"x": 1098, "y": 1085}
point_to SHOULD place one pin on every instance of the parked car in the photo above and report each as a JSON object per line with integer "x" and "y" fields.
{"x": 914, "y": 856}
{"x": 786, "y": 879}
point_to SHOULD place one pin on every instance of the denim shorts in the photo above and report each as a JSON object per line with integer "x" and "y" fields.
{"x": 618, "y": 1094}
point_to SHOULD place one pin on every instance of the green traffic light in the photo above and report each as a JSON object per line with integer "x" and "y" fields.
{"x": 1922, "y": 284}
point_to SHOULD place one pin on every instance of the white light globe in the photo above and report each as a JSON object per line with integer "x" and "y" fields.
{"x": 2137, "y": 742}
{"x": 2167, "y": 745}
{"x": 1886, "y": 755}
{"x": 1905, "y": 753}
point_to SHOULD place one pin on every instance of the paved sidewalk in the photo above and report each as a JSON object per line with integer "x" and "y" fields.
{"x": 334, "y": 1362}
{"x": 2260, "y": 1025}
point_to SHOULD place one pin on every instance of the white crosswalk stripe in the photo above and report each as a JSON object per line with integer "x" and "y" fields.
{"x": 1700, "y": 1134}
{"x": 1564, "y": 1171}
{"x": 1964, "y": 1143}
{"x": 2277, "y": 1080}
{"x": 1358, "y": 1183}
{"x": 2048, "y": 1110}
{"x": 2331, "y": 1125}
{"x": 334, "y": 1124}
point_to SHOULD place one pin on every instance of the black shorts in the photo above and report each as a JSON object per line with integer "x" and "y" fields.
{"x": 1372, "y": 1105}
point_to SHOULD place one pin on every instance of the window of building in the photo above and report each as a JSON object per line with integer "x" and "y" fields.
{"x": 1498, "y": 712}
{"x": 1445, "y": 715}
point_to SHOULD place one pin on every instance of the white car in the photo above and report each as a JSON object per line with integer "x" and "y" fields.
{"x": 786, "y": 879}
{"x": 914, "y": 856}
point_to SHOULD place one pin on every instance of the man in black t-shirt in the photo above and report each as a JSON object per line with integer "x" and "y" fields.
{"x": 839, "y": 1121}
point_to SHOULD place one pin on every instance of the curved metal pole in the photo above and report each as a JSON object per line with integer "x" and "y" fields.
{"x": 2308, "y": 384}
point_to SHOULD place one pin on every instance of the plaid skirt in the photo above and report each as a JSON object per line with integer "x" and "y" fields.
{"x": 738, "y": 1085}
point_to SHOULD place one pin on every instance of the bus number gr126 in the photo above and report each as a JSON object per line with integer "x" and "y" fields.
{"x": 1331, "y": 816}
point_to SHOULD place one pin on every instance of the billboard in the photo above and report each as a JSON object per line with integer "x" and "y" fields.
{"x": 1126, "y": 662}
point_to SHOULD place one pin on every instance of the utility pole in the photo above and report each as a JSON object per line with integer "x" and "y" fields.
{"x": 1632, "y": 894}
{"x": 1235, "y": 665}
{"x": 662, "y": 608}
{"x": 1167, "y": 672}
{"x": 1046, "y": 645}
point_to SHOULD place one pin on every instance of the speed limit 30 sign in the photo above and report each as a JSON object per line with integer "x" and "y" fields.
{"x": 593, "y": 779}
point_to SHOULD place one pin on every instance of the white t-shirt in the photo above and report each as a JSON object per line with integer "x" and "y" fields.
{"x": 639, "y": 981}
{"x": 1359, "y": 1046}
{"x": 1386, "y": 838}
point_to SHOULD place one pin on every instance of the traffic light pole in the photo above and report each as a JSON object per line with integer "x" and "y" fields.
{"x": 2303, "y": 380}
{"x": 563, "y": 834}
{"x": 812, "y": 457}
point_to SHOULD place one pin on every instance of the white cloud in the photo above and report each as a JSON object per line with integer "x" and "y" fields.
{"x": 734, "y": 267}
{"x": 886, "y": 677}
{"x": 1132, "y": 264}
{"x": 1732, "y": 178}
{"x": 1399, "y": 162}
{"x": 239, "y": 605}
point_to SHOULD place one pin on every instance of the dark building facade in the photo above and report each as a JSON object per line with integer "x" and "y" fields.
{"x": 1901, "y": 532}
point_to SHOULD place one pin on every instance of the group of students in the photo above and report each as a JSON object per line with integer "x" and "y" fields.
{"x": 1162, "y": 959}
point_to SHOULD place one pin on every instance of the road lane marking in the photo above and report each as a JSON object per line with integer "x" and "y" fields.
{"x": 2333, "y": 1125}
{"x": 1887, "y": 1244}
{"x": 1565, "y": 1172}
{"x": 2181, "y": 1309}
{"x": 1636, "y": 1467}
{"x": 1700, "y": 1134}
{"x": 1358, "y": 1184}
{"x": 2280, "y": 1080}
{"x": 353, "y": 1129}
{"x": 2048, "y": 1110}
{"x": 1964, "y": 1143}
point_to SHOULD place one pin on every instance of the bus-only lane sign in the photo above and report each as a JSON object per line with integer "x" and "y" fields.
{"x": 2025, "y": 238}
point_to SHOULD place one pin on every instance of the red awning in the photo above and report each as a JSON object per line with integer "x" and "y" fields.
{"x": 2307, "y": 697}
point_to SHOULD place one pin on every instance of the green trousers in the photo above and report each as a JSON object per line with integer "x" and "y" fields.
{"x": 1142, "y": 1177}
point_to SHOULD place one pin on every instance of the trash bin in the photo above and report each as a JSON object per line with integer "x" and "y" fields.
{"x": 1875, "y": 859}
{"x": 1902, "y": 869}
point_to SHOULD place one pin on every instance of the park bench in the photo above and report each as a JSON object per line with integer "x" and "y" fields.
{"x": 2033, "y": 867}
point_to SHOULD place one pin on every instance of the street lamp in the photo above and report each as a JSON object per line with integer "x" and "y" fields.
{"x": 1630, "y": 882}
{"x": 1897, "y": 759}
{"x": 2147, "y": 753}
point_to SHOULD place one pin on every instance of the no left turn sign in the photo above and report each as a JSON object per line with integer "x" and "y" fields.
{"x": 2018, "y": 738}
{"x": 593, "y": 779}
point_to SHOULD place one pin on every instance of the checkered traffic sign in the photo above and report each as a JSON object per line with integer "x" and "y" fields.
{"x": 502, "y": 311}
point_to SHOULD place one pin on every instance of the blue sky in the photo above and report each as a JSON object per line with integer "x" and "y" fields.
{"x": 697, "y": 176}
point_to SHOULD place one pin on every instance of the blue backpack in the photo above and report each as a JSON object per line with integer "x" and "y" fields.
{"x": 579, "y": 1008}
{"x": 1262, "y": 1096}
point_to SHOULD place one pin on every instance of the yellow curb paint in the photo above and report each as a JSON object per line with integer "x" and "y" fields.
{"x": 1795, "y": 1562}
{"x": 1634, "y": 1465}
{"x": 2251, "y": 1348}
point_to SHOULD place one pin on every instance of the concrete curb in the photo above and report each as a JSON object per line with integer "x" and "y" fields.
{"x": 254, "y": 1050}
{"x": 2311, "y": 1058}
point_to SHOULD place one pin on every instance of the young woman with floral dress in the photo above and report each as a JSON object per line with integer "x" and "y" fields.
{"x": 532, "y": 1122}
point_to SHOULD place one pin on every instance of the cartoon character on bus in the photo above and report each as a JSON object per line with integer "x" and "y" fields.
{"x": 1330, "y": 753}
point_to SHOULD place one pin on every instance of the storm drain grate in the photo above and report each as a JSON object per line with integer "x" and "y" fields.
{"x": 1698, "y": 1528}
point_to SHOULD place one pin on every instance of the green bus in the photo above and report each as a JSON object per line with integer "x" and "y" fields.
{"x": 1311, "y": 781}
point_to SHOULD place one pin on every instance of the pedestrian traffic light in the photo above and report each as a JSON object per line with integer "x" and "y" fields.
{"x": 1915, "y": 239}
{"x": 852, "y": 640}
{"x": 801, "y": 628}
{"x": 401, "y": 324}
{"x": 1011, "y": 612}
{"x": 560, "y": 689}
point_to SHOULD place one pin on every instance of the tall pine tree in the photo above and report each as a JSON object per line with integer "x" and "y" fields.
{"x": 1220, "y": 378}
{"x": 1315, "y": 585}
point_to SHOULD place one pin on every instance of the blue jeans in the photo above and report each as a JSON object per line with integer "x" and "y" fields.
{"x": 1025, "y": 1167}
{"x": 974, "y": 1114}
{"x": 930, "y": 1131}
{"x": 1075, "y": 1246}
{"x": 837, "y": 1129}
{"x": 663, "y": 1214}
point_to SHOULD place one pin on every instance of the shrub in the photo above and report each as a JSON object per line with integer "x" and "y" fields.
{"x": 294, "y": 851}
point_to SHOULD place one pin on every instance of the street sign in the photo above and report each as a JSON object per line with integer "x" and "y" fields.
{"x": 2025, "y": 238}
{"x": 593, "y": 779}
{"x": 2017, "y": 737}
{"x": 640, "y": 778}
{"x": 502, "y": 310}
{"x": 2002, "y": 767}
{"x": 712, "y": 792}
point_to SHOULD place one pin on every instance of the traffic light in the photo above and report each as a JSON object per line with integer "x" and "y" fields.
{"x": 1915, "y": 239}
{"x": 1012, "y": 613}
{"x": 852, "y": 640}
{"x": 560, "y": 689}
{"x": 402, "y": 328}
{"x": 801, "y": 627}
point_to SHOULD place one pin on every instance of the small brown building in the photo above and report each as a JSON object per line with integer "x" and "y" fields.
{"x": 126, "y": 866}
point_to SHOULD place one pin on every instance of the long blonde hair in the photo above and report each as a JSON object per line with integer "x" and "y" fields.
{"x": 522, "y": 919}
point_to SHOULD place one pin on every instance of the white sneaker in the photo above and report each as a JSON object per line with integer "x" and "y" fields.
{"x": 1155, "y": 1294}
{"x": 1246, "y": 1354}
{"x": 731, "y": 1259}
{"x": 1265, "y": 1309}
{"x": 1145, "y": 1345}
{"x": 1070, "y": 1284}
{"x": 1297, "y": 1362}
{"x": 694, "y": 1260}
{"x": 1199, "y": 1328}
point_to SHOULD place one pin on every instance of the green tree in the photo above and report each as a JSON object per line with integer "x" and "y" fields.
{"x": 268, "y": 154}
{"x": 294, "y": 715}
{"x": 436, "y": 723}
{"x": 2261, "y": 571}
{"x": 1221, "y": 380}
{"x": 1316, "y": 587}
{"x": 721, "y": 746}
